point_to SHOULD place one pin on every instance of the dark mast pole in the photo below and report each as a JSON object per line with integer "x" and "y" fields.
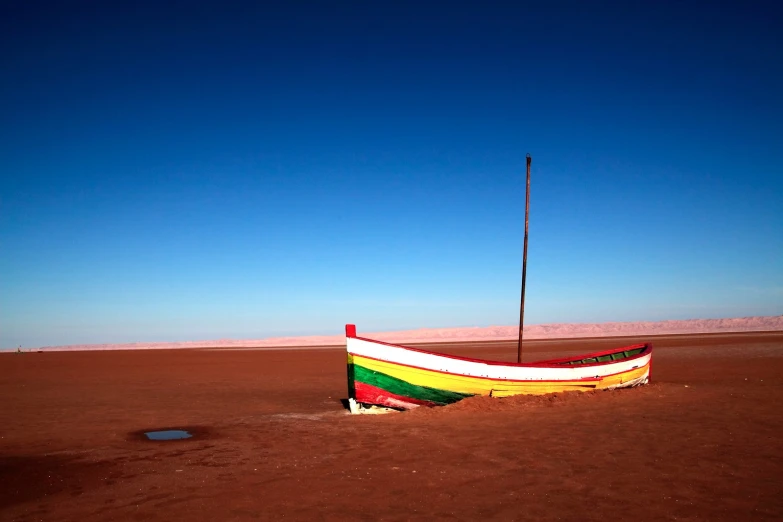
{"x": 524, "y": 264}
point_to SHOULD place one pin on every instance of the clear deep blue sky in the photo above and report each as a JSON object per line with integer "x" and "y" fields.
{"x": 196, "y": 171}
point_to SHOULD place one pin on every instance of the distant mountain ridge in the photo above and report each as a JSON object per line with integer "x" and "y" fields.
{"x": 464, "y": 334}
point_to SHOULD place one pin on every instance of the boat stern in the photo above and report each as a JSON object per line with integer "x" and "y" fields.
{"x": 350, "y": 333}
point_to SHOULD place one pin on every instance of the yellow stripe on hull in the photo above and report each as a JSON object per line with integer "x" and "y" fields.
{"x": 614, "y": 381}
{"x": 495, "y": 387}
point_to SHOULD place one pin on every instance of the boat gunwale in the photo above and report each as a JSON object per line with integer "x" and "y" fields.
{"x": 504, "y": 379}
{"x": 550, "y": 363}
{"x": 647, "y": 348}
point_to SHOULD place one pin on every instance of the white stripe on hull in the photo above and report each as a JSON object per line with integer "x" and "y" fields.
{"x": 429, "y": 361}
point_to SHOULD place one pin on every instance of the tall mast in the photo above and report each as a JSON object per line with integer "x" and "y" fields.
{"x": 524, "y": 264}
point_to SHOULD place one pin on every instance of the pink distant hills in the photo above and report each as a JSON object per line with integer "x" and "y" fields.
{"x": 489, "y": 333}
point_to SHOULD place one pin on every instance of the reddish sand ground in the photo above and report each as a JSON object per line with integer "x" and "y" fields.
{"x": 273, "y": 442}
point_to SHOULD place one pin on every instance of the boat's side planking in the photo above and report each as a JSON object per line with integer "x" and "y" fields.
{"x": 399, "y": 377}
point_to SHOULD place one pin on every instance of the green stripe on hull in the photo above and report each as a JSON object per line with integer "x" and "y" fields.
{"x": 403, "y": 388}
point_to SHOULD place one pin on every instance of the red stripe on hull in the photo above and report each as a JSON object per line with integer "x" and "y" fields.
{"x": 370, "y": 394}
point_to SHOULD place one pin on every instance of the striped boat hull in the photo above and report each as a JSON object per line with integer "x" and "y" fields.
{"x": 393, "y": 376}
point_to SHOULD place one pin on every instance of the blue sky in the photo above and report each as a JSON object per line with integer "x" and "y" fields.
{"x": 200, "y": 171}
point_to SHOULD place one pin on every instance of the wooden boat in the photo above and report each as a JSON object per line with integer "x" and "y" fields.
{"x": 401, "y": 378}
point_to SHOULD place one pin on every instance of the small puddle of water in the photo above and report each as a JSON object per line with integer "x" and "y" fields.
{"x": 168, "y": 435}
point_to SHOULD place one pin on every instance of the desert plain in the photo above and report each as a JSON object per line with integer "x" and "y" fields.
{"x": 273, "y": 441}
